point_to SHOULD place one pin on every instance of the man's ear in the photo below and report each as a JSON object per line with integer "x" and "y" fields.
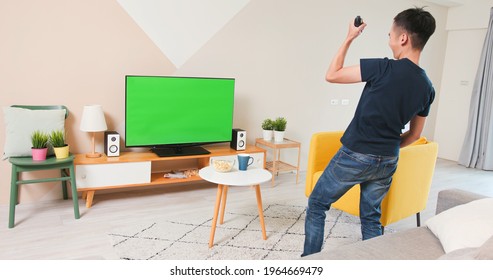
{"x": 404, "y": 39}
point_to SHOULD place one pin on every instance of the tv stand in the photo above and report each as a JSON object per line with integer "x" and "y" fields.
{"x": 180, "y": 151}
{"x": 141, "y": 169}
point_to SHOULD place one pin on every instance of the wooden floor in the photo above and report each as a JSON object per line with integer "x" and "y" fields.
{"x": 48, "y": 230}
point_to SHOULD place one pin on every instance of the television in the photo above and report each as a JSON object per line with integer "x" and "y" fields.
{"x": 174, "y": 116}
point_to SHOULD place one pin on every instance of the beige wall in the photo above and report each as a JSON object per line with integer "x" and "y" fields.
{"x": 77, "y": 53}
{"x": 72, "y": 53}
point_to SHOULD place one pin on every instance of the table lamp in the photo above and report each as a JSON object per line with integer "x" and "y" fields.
{"x": 93, "y": 121}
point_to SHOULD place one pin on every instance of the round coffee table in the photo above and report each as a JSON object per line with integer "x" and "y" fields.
{"x": 251, "y": 177}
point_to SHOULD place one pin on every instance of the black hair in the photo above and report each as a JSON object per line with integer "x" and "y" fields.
{"x": 418, "y": 23}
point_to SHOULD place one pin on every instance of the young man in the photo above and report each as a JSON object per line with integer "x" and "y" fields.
{"x": 397, "y": 91}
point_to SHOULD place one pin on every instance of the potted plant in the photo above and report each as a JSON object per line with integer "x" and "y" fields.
{"x": 279, "y": 128}
{"x": 57, "y": 140}
{"x": 267, "y": 126}
{"x": 39, "y": 141}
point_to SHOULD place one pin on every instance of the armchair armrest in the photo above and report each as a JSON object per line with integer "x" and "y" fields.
{"x": 323, "y": 146}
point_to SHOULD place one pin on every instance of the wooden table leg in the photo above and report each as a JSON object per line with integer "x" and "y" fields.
{"x": 260, "y": 211}
{"x": 298, "y": 165}
{"x": 216, "y": 212}
{"x": 274, "y": 166}
{"x": 89, "y": 198}
{"x": 223, "y": 203}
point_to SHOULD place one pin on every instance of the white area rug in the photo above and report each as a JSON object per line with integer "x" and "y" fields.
{"x": 239, "y": 238}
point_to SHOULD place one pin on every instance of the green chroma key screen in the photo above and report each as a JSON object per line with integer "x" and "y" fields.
{"x": 165, "y": 110}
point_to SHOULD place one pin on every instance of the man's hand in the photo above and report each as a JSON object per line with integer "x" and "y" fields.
{"x": 337, "y": 73}
{"x": 415, "y": 128}
{"x": 354, "y": 31}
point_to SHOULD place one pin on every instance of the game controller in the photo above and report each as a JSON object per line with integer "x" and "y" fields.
{"x": 358, "y": 21}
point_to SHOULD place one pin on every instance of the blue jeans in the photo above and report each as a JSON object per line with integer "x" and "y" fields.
{"x": 346, "y": 169}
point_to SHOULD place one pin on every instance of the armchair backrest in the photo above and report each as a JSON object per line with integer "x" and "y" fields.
{"x": 411, "y": 182}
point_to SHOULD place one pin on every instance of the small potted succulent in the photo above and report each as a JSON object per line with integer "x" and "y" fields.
{"x": 267, "y": 132}
{"x": 39, "y": 141}
{"x": 57, "y": 140}
{"x": 279, "y": 129}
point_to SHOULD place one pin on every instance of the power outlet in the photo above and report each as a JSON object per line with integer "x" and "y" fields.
{"x": 334, "y": 102}
{"x": 345, "y": 101}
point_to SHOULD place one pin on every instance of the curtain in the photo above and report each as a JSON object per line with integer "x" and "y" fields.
{"x": 477, "y": 149}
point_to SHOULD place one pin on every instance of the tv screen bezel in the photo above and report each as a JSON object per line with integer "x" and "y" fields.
{"x": 185, "y": 148}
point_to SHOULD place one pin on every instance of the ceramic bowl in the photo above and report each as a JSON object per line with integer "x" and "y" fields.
{"x": 222, "y": 165}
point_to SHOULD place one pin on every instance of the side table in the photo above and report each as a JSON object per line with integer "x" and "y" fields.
{"x": 251, "y": 177}
{"x": 276, "y": 165}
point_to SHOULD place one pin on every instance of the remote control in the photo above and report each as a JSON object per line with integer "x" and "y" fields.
{"x": 358, "y": 21}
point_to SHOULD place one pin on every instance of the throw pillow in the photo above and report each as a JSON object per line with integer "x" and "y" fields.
{"x": 463, "y": 226}
{"x": 20, "y": 123}
{"x": 422, "y": 140}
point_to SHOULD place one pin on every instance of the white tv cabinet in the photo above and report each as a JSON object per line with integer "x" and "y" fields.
{"x": 134, "y": 169}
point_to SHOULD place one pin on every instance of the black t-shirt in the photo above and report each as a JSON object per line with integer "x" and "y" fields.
{"x": 395, "y": 92}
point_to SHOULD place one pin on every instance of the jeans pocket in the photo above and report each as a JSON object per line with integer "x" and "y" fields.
{"x": 347, "y": 168}
{"x": 390, "y": 168}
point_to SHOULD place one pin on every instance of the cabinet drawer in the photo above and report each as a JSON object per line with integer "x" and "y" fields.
{"x": 101, "y": 175}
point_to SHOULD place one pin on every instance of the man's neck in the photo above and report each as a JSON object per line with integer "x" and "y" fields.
{"x": 412, "y": 55}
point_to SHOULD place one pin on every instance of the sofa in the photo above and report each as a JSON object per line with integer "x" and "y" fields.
{"x": 461, "y": 229}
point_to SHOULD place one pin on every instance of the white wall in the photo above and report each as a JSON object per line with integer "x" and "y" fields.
{"x": 459, "y": 71}
{"x": 180, "y": 28}
{"x": 473, "y": 14}
{"x": 466, "y": 27}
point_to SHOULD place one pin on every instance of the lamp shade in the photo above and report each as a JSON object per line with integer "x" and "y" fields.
{"x": 93, "y": 119}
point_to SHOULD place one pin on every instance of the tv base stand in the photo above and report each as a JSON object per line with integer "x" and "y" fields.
{"x": 180, "y": 151}
{"x": 139, "y": 169}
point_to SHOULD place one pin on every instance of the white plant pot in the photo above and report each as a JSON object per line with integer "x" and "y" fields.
{"x": 278, "y": 136}
{"x": 268, "y": 134}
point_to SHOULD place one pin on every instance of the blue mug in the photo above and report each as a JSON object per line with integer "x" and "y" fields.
{"x": 244, "y": 161}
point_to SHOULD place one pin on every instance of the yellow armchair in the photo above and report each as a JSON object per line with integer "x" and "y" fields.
{"x": 410, "y": 186}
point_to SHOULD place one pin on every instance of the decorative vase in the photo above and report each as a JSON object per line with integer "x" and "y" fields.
{"x": 278, "y": 136}
{"x": 267, "y": 134}
{"x": 39, "y": 154}
{"x": 61, "y": 152}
